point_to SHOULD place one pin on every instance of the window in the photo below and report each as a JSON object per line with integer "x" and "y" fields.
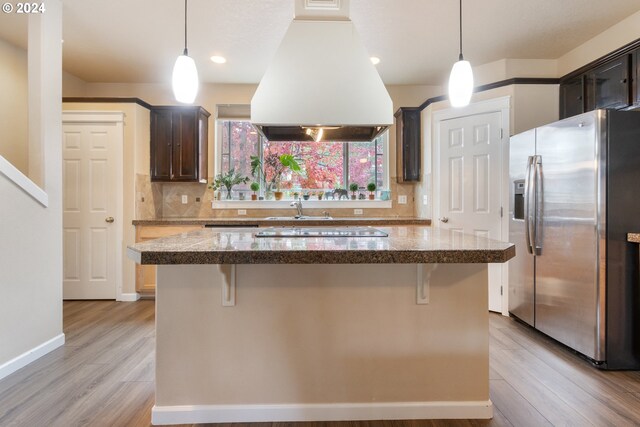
{"x": 325, "y": 165}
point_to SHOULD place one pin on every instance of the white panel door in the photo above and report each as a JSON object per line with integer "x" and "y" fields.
{"x": 470, "y": 183}
{"x": 89, "y": 203}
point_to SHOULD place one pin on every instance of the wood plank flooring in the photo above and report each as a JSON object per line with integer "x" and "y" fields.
{"x": 103, "y": 376}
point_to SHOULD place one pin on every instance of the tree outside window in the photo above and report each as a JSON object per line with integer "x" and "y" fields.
{"x": 325, "y": 165}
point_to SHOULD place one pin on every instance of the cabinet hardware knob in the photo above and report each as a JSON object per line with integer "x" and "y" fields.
{"x": 444, "y": 219}
{"x": 109, "y": 219}
{"x": 623, "y": 81}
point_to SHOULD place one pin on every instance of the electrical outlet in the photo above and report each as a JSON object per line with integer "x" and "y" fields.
{"x": 425, "y": 200}
{"x": 185, "y": 199}
{"x": 242, "y": 211}
{"x": 402, "y": 200}
{"x": 357, "y": 211}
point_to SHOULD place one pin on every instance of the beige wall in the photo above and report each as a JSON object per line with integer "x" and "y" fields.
{"x": 611, "y": 39}
{"x": 31, "y": 234}
{"x": 72, "y": 86}
{"x": 345, "y": 334}
{"x": 135, "y": 155}
{"x": 14, "y": 142}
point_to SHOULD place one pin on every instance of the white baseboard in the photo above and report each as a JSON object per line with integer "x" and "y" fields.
{"x": 129, "y": 297}
{"x": 194, "y": 414}
{"x": 27, "y": 357}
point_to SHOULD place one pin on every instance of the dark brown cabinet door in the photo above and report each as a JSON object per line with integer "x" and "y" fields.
{"x": 635, "y": 84}
{"x": 185, "y": 144}
{"x": 179, "y": 137}
{"x": 608, "y": 86}
{"x": 571, "y": 97}
{"x": 408, "y": 157}
{"x": 161, "y": 145}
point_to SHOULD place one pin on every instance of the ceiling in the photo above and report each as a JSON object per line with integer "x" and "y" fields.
{"x": 417, "y": 40}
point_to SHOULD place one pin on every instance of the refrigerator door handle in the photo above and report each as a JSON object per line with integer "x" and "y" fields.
{"x": 527, "y": 204}
{"x": 538, "y": 198}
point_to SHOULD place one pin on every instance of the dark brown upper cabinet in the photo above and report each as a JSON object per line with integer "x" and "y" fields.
{"x": 408, "y": 153}
{"x": 608, "y": 86}
{"x": 572, "y": 97}
{"x": 635, "y": 76}
{"x": 179, "y": 138}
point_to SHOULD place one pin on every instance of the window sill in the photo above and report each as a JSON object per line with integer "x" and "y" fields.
{"x": 285, "y": 204}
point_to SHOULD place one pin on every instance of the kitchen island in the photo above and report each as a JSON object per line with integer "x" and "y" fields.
{"x": 321, "y": 328}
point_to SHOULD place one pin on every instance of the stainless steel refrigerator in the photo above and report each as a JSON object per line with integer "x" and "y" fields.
{"x": 575, "y": 194}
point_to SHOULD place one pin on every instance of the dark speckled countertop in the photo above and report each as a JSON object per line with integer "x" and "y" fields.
{"x": 405, "y": 245}
{"x": 261, "y": 222}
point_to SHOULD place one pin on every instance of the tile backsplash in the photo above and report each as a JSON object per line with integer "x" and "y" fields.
{"x": 165, "y": 200}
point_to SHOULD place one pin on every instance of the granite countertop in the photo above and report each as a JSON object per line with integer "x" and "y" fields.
{"x": 405, "y": 245}
{"x": 260, "y": 222}
{"x": 633, "y": 237}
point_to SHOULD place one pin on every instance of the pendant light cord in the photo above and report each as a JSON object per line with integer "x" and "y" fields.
{"x": 460, "y": 57}
{"x": 186, "y": 52}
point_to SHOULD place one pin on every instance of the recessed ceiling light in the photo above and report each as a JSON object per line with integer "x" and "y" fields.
{"x": 375, "y": 60}
{"x": 218, "y": 59}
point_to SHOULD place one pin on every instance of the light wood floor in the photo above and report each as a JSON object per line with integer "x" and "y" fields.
{"x": 103, "y": 376}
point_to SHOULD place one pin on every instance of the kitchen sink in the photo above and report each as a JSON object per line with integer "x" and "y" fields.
{"x": 297, "y": 217}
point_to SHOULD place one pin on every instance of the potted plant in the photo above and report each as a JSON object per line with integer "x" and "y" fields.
{"x": 275, "y": 165}
{"x": 353, "y": 187}
{"x": 254, "y": 187}
{"x": 228, "y": 180}
{"x": 320, "y": 194}
{"x": 371, "y": 187}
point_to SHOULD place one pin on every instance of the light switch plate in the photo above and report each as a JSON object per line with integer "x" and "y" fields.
{"x": 357, "y": 211}
{"x": 185, "y": 199}
{"x": 425, "y": 200}
{"x": 242, "y": 211}
{"x": 402, "y": 200}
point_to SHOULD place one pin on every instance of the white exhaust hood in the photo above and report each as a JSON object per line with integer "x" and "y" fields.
{"x": 321, "y": 85}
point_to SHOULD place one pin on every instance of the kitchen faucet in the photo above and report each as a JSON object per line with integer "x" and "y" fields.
{"x": 298, "y": 205}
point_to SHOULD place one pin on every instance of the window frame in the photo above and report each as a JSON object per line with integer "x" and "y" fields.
{"x": 383, "y": 140}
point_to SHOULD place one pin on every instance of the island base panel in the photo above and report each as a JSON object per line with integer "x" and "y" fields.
{"x": 321, "y": 342}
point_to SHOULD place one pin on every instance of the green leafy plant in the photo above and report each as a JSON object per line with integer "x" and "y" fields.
{"x": 353, "y": 187}
{"x": 371, "y": 187}
{"x": 274, "y": 166}
{"x": 254, "y": 187}
{"x": 228, "y": 180}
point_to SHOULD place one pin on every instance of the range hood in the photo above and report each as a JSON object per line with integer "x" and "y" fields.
{"x": 321, "y": 84}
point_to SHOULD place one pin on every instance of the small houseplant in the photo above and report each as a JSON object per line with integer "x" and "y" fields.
{"x": 320, "y": 194}
{"x": 228, "y": 180}
{"x": 275, "y": 166}
{"x": 254, "y": 187}
{"x": 306, "y": 195}
{"x": 353, "y": 187}
{"x": 371, "y": 187}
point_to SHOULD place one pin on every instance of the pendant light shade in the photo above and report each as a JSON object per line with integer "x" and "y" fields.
{"x": 461, "y": 77}
{"x": 460, "y": 84}
{"x": 185, "y": 74}
{"x": 185, "y": 79}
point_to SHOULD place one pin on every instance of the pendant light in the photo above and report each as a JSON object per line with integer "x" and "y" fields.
{"x": 185, "y": 75}
{"x": 461, "y": 77}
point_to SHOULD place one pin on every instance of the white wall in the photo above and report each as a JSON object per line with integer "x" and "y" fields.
{"x": 30, "y": 233}
{"x": 14, "y": 144}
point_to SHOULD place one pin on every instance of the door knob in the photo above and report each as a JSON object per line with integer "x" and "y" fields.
{"x": 109, "y": 219}
{"x": 444, "y": 219}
